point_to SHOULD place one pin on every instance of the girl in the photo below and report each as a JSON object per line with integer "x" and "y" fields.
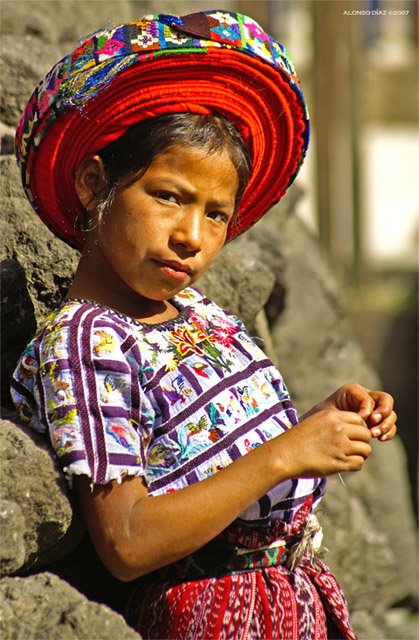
{"x": 148, "y": 148}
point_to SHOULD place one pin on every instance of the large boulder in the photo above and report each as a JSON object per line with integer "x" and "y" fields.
{"x": 40, "y": 523}
{"x": 27, "y": 240}
{"x": 17, "y": 320}
{"x": 44, "y": 606}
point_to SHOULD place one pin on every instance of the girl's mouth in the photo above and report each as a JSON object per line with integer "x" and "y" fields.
{"x": 174, "y": 270}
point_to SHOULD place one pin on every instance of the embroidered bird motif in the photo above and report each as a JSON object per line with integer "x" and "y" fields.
{"x": 68, "y": 418}
{"x": 27, "y": 367}
{"x": 265, "y": 387}
{"x": 213, "y": 433}
{"x": 114, "y": 388}
{"x": 161, "y": 456}
{"x": 107, "y": 342}
{"x": 179, "y": 391}
{"x": 199, "y": 368}
{"x": 121, "y": 435}
{"x": 249, "y": 403}
{"x": 64, "y": 439}
{"x": 194, "y": 428}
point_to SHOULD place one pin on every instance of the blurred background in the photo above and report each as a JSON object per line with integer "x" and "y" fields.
{"x": 358, "y": 65}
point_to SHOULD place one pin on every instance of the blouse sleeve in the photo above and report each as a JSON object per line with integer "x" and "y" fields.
{"x": 91, "y": 400}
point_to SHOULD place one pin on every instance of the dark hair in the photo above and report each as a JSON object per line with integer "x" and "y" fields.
{"x": 133, "y": 152}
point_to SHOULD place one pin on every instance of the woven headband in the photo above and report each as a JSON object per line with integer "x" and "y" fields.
{"x": 209, "y": 63}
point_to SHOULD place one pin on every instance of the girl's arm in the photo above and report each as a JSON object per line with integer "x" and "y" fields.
{"x": 135, "y": 534}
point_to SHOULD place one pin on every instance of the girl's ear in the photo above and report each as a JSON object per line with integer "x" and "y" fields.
{"x": 90, "y": 181}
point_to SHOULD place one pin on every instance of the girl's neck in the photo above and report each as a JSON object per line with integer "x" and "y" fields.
{"x": 133, "y": 305}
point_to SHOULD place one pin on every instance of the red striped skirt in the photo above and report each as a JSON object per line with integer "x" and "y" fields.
{"x": 241, "y": 587}
{"x": 266, "y": 603}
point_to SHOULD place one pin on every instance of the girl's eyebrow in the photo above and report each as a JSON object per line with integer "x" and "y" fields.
{"x": 185, "y": 189}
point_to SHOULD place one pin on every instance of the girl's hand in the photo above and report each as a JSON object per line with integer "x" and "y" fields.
{"x": 375, "y": 407}
{"x": 325, "y": 443}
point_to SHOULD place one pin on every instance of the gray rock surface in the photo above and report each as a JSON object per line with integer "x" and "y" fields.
{"x": 42, "y": 606}
{"x": 29, "y": 242}
{"x": 13, "y": 546}
{"x": 17, "y": 320}
{"x": 239, "y": 280}
{"x": 41, "y": 524}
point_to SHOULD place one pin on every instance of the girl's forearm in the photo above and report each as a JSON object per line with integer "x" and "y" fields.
{"x": 155, "y": 531}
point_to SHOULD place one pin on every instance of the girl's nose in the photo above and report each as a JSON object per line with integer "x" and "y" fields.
{"x": 188, "y": 231}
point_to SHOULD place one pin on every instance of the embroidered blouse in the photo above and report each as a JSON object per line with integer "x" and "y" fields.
{"x": 173, "y": 402}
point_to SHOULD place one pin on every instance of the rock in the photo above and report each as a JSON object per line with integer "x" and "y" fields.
{"x": 44, "y": 606}
{"x": 18, "y": 322}
{"x": 7, "y": 139}
{"x": 239, "y": 281}
{"x": 49, "y": 264}
{"x": 13, "y": 547}
{"x": 31, "y": 480}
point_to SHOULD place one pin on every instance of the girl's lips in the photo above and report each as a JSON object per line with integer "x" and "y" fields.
{"x": 174, "y": 270}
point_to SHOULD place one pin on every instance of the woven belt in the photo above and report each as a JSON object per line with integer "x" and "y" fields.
{"x": 221, "y": 558}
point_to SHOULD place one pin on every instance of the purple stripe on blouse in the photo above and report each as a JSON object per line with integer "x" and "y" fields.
{"x": 126, "y": 459}
{"x": 238, "y": 345}
{"x": 41, "y": 401}
{"x": 282, "y": 424}
{"x": 128, "y": 343}
{"x": 138, "y": 358}
{"x": 156, "y": 379}
{"x": 101, "y": 453}
{"x": 76, "y": 366}
{"x": 72, "y": 456}
{"x": 116, "y": 366}
{"x": 135, "y": 409}
{"x": 114, "y": 411}
{"x": 192, "y": 379}
{"x": 22, "y": 390}
{"x": 60, "y": 363}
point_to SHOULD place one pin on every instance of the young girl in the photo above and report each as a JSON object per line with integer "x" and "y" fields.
{"x": 148, "y": 148}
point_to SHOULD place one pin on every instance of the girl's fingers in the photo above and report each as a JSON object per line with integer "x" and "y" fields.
{"x": 389, "y": 435}
{"x": 387, "y": 429}
{"x": 357, "y": 429}
{"x": 357, "y": 398}
{"x": 383, "y": 406}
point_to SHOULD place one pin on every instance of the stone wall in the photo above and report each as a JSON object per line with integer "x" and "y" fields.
{"x": 279, "y": 283}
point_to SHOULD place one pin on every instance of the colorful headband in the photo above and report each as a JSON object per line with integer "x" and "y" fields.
{"x": 213, "y": 62}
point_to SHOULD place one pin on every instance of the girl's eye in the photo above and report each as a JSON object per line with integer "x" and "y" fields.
{"x": 166, "y": 196}
{"x": 218, "y": 216}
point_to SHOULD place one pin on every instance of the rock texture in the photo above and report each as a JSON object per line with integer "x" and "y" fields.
{"x": 44, "y": 606}
{"x": 39, "y": 523}
{"x": 279, "y": 283}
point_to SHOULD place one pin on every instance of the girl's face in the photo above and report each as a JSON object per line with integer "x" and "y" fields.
{"x": 164, "y": 230}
